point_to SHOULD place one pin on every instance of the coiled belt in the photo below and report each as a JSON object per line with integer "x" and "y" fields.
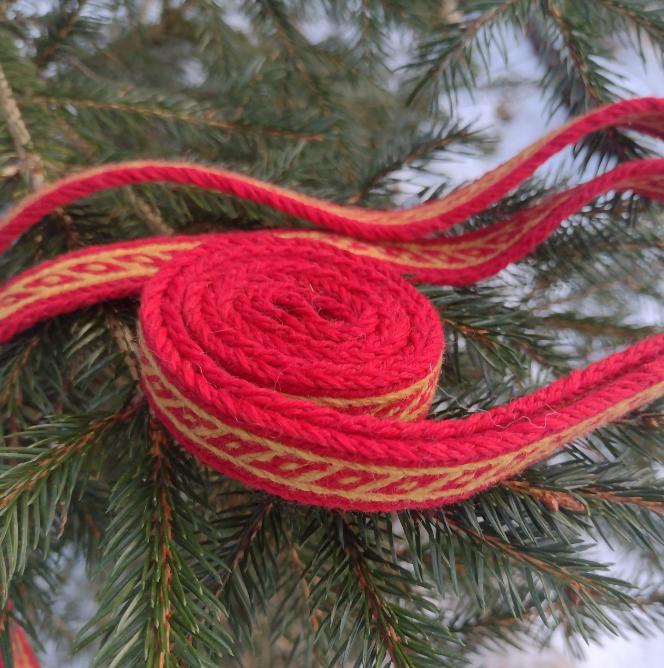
{"x": 303, "y": 363}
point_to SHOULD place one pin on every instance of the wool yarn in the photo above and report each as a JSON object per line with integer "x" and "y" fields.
{"x": 303, "y": 363}
{"x": 22, "y": 653}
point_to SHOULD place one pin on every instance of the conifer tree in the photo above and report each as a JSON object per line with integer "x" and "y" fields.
{"x": 191, "y": 568}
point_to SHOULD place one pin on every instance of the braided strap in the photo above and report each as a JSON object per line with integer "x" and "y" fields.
{"x": 302, "y": 363}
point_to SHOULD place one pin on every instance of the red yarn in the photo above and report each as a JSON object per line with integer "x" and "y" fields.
{"x": 301, "y": 363}
{"x": 643, "y": 114}
{"x": 22, "y": 653}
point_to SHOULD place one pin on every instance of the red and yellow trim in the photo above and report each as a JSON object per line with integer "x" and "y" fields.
{"x": 22, "y": 653}
{"x": 291, "y": 471}
{"x": 361, "y": 452}
{"x": 644, "y": 115}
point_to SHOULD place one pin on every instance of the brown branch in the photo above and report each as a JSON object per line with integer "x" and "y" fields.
{"x": 126, "y": 341}
{"x": 17, "y": 365}
{"x": 576, "y": 582}
{"x": 64, "y": 451}
{"x": 316, "y": 614}
{"x": 30, "y": 163}
{"x": 575, "y": 295}
{"x": 44, "y": 56}
{"x": 363, "y": 576}
{"x": 150, "y": 215}
{"x": 418, "y": 152}
{"x": 576, "y": 56}
{"x": 635, "y": 17}
{"x": 243, "y": 545}
{"x": 553, "y": 500}
{"x": 624, "y": 333}
{"x": 163, "y": 526}
{"x": 470, "y": 31}
{"x": 206, "y": 119}
{"x": 624, "y": 499}
{"x": 657, "y": 598}
{"x": 477, "y": 333}
{"x": 306, "y": 589}
{"x": 249, "y": 534}
{"x": 12, "y": 385}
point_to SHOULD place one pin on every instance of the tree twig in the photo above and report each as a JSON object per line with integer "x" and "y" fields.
{"x": 30, "y": 164}
{"x": 206, "y": 119}
{"x": 44, "y": 56}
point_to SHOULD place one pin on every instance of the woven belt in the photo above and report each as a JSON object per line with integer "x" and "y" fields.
{"x": 303, "y": 363}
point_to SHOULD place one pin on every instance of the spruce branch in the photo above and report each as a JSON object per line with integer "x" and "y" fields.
{"x": 554, "y": 500}
{"x": 577, "y": 580}
{"x": 577, "y": 41}
{"x": 65, "y": 27}
{"x": 625, "y": 496}
{"x": 247, "y": 533}
{"x": 526, "y": 559}
{"x": 12, "y": 373}
{"x": 379, "y": 609}
{"x": 293, "y": 44}
{"x": 596, "y": 326}
{"x": 575, "y": 75}
{"x": 595, "y": 497}
{"x": 372, "y": 607}
{"x": 496, "y": 627}
{"x": 182, "y": 577}
{"x": 163, "y": 556}
{"x": 151, "y": 215}
{"x": 636, "y": 14}
{"x": 214, "y": 31}
{"x": 158, "y": 568}
{"x": 446, "y": 57}
{"x": 498, "y": 337}
{"x": 421, "y": 150}
{"x": 207, "y": 119}
{"x": 126, "y": 342}
{"x": 37, "y": 483}
{"x": 314, "y": 614}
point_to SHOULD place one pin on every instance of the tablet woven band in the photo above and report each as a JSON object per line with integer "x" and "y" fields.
{"x": 303, "y": 362}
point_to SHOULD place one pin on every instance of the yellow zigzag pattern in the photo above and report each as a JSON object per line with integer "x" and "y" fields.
{"x": 356, "y": 481}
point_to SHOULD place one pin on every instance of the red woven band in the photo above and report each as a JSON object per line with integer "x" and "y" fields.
{"x": 302, "y": 363}
{"x": 22, "y": 653}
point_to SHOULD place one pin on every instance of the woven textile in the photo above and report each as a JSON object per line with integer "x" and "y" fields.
{"x": 303, "y": 362}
